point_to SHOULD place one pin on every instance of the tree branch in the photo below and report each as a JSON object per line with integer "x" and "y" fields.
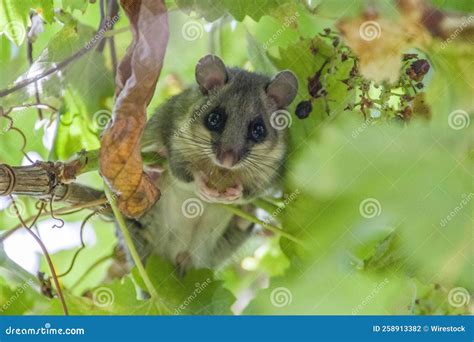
{"x": 102, "y": 30}
{"x": 56, "y": 179}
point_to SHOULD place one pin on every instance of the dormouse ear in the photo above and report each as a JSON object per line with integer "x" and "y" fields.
{"x": 283, "y": 88}
{"x": 210, "y": 73}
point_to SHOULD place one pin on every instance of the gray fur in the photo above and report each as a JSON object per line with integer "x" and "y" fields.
{"x": 177, "y": 131}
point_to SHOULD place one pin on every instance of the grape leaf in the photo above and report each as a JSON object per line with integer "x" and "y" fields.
{"x": 197, "y": 293}
{"x": 14, "y": 17}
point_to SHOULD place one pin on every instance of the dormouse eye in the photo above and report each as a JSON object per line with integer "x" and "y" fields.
{"x": 215, "y": 122}
{"x": 257, "y": 131}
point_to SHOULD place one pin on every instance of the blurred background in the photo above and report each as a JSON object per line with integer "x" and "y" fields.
{"x": 378, "y": 182}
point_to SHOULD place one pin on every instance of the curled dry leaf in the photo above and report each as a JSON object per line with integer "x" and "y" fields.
{"x": 438, "y": 23}
{"x": 380, "y": 42}
{"x": 121, "y": 164}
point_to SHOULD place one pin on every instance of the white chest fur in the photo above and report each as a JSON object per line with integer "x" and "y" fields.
{"x": 181, "y": 222}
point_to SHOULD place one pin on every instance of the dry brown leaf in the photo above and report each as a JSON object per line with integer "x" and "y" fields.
{"x": 120, "y": 160}
{"x": 380, "y": 43}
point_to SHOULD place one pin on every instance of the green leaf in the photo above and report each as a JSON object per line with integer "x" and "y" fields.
{"x": 239, "y": 9}
{"x": 255, "y": 9}
{"x": 45, "y": 8}
{"x": 84, "y": 88}
{"x": 20, "y": 299}
{"x": 451, "y": 86}
{"x": 305, "y": 58}
{"x": 75, "y": 4}
{"x": 210, "y": 10}
{"x": 14, "y": 17}
{"x": 197, "y": 293}
{"x": 258, "y": 57}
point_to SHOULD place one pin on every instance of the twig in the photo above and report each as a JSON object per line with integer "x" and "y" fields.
{"x": 112, "y": 11}
{"x": 29, "y": 53}
{"x": 131, "y": 247}
{"x": 89, "y": 270}
{"x": 266, "y": 205}
{"x": 235, "y": 210}
{"x": 45, "y": 73}
{"x": 28, "y": 105}
{"x": 46, "y": 255}
{"x": 61, "y": 64}
{"x": 63, "y": 210}
{"x": 83, "y": 245}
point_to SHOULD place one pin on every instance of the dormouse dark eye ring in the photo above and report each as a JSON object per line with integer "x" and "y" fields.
{"x": 257, "y": 131}
{"x": 215, "y": 121}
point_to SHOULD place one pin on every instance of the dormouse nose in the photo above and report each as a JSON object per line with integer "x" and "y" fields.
{"x": 228, "y": 157}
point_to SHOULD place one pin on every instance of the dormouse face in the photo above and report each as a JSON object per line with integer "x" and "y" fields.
{"x": 236, "y": 143}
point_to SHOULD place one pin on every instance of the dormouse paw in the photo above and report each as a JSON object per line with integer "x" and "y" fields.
{"x": 212, "y": 195}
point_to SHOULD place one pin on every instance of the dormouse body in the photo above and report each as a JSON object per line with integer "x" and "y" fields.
{"x": 222, "y": 148}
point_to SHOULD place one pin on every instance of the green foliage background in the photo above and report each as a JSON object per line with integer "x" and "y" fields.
{"x": 401, "y": 261}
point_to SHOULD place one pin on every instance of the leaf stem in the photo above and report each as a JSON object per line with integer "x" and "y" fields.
{"x": 131, "y": 247}
{"x": 237, "y": 211}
